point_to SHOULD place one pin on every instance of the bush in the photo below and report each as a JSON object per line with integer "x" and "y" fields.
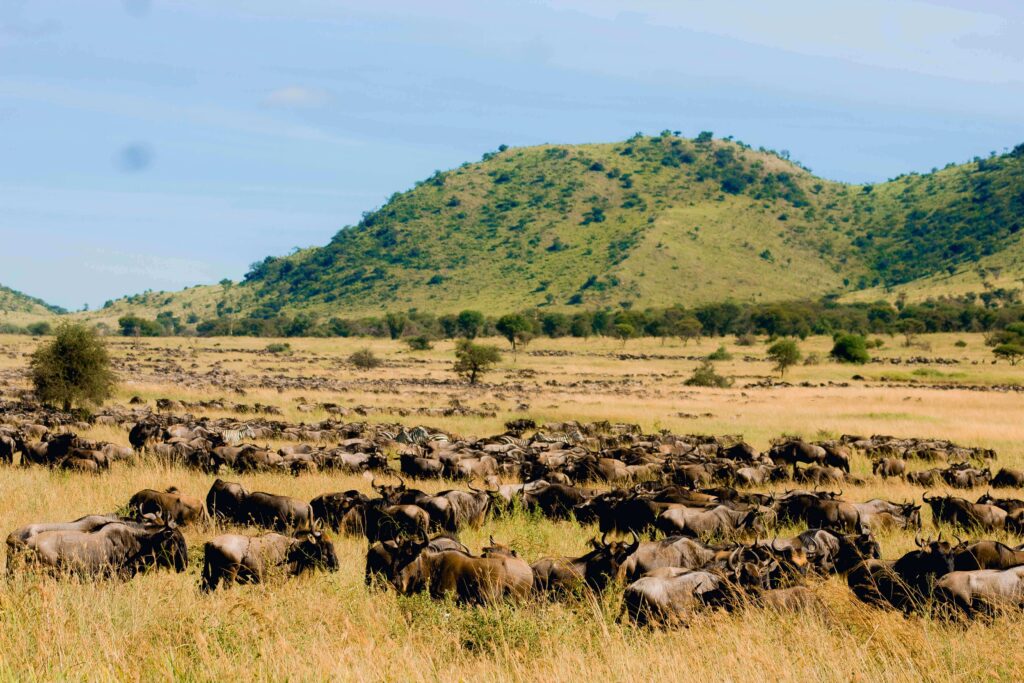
{"x": 705, "y": 376}
{"x": 73, "y": 368}
{"x": 850, "y": 348}
{"x": 364, "y": 359}
{"x": 960, "y": 343}
{"x": 39, "y": 329}
{"x": 420, "y": 343}
{"x": 876, "y": 343}
{"x": 784, "y": 353}
{"x": 473, "y": 360}
{"x": 279, "y": 348}
{"x": 746, "y": 340}
{"x": 720, "y": 354}
{"x": 812, "y": 359}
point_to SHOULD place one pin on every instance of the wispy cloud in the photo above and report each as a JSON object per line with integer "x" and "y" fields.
{"x": 296, "y": 96}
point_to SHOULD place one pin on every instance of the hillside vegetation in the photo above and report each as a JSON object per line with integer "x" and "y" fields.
{"x": 652, "y": 221}
{"x": 17, "y": 308}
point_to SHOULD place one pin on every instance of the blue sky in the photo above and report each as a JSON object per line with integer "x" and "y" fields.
{"x": 157, "y": 144}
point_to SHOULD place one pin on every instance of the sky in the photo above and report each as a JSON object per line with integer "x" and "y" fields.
{"x": 159, "y": 144}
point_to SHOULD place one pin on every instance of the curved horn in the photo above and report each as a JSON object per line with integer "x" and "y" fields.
{"x": 917, "y": 540}
{"x": 472, "y": 488}
{"x": 373, "y": 484}
{"x": 402, "y": 482}
{"x": 604, "y": 539}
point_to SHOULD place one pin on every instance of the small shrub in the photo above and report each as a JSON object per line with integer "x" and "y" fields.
{"x": 850, "y": 348}
{"x": 420, "y": 343}
{"x": 876, "y": 343}
{"x": 706, "y": 376}
{"x": 746, "y": 340}
{"x": 720, "y": 354}
{"x": 365, "y": 359}
{"x": 279, "y": 348}
{"x": 784, "y": 353}
{"x": 473, "y": 360}
{"x": 960, "y": 344}
{"x": 812, "y": 359}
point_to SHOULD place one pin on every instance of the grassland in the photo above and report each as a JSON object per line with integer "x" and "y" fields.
{"x": 329, "y": 626}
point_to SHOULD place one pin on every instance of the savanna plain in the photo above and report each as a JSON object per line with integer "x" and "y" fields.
{"x": 324, "y": 625}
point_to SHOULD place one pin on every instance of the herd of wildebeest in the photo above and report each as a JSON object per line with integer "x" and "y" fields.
{"x": 682, "y": 523}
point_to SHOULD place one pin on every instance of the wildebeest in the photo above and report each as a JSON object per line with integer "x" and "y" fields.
{"x": 171, "y": 505}
{"x": 675, "y": 551}
{"x": 889, "y": 467}
{"x": 879, "y": 514}
{"x": 1009, "y": 504}
{"x": 343, "y": 511}
{"x": 224, "y": 501}
{"x": 905, "y": 583}
{"x": 248, "y": 559}
{"x": 274, "y": 511}
{"x": 1008, "y": 478}
{"x": 963, "y": 513}
{"x": 113, "y": 549}
{"x": 469, "y": 579}
{"x": 986, "y": 555}
{"x": 965, "y": 477}
{"x": 388, "y": 522}
{"x": 924, "y": 477}
{"x": 981, "y": 590}
{"x": 718, "y": 521}
{"x": 559, "y": 575}
{"x": 819, "y": 509}
{"x": 382, "y": 556}
{"x": 451, "y": 510}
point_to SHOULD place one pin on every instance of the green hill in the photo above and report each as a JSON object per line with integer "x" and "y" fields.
{"x": 649, "y": 221}
{"x": 17, "y": 308}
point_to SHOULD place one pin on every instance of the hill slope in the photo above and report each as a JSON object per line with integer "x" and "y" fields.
{"x": 17, "y": 308}
{"x": 649, "y": 221}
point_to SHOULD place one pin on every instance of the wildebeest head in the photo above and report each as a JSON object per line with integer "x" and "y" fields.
{"x": 604, "y": 561}
{"x": 392, "y": 493}
{"x": 314, "y": 550}
{"x": 163, "y": 545}
{"x": 407, "y": 574}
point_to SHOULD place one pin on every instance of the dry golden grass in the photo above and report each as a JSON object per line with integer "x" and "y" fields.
{"x": 329, "y": 626}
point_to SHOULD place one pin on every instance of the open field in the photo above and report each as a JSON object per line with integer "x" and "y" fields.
{"x": 330, "y": 626}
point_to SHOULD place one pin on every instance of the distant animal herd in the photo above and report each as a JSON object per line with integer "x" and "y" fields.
{"x": 681, "y": 527}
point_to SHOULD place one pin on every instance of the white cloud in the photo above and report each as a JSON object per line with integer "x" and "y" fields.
{"x": 296, "y": 96}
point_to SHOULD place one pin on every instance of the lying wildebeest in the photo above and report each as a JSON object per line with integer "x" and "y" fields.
{"x": 981, "y": 590}
{"x": 171, "y": 505}
{"x": 473, "y": 580}
{"x": 831, "y": 552}
{"x": 454, "y": 509}
{"x": 17, "y": 538}
{"x": 382, "y": 556}
{"x": 560, "y": 575}
{"x": 818, "y": 474}
{"x": 248, "y": 559}
{"x": 819, "y": 509}
{"x": 905, "y": 583}
{"x": 718, "y": 521}
{"x": 794, "y": 451}
{"x": 274, "y": 511}
{"x": 114, "y": 549}
{"x": 889, "y": 467}
{"x": 792, "y": 599}
{"x": 963, "y": 513}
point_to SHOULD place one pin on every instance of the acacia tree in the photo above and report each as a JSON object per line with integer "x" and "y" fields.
{"x": 72, "y": 369}
{"x": 470, "y": 323}
{"x": 396, "y": 323}
{"x": 473, "y": 360}
{"x": 516, "y": 328}
{"x": 785, "y": 354}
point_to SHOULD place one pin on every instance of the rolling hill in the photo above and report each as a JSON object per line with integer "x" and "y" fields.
{"x": 17, "y": 308}
{"x": 648, "y": 221}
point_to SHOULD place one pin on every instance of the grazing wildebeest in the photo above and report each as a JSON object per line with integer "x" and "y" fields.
{"x": 224, "y": 501}
{"x": 114, "y": 549}
{"x": 675, "y": 551}
{"x": 1009, "y": 504}
{"x": 248, "y": 559}
{"x": 342, "y": 511}
{"x": 889, "y": 467}
{"x": 382, "y": 556}
{"x": 472, "y": 580}
{"x": 274, "y": 511}
{"x": 718, "y": 521}
{"x": 882, "y": 514}
{"x": 388, "y": 522}
{"x": 905, "y": 583}
{"x": 963, "y": 513}
{"x": 1008, "y": 478}
{"x": 171, "y": 505}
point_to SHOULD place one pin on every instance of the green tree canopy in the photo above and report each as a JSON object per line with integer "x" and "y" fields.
{"x": 515, "y": 328}
{"x": 73, "y": 369}
{"x": 784, "y": 353}
{"x": 473, "y": 360}
{"x": 850, "y": 348}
